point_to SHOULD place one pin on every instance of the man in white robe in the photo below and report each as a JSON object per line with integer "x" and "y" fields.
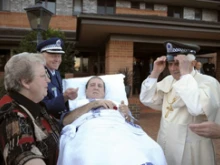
{"x": 184, "y": 97}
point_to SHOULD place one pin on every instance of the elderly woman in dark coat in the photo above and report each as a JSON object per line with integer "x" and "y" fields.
{"x": 29, "y": 135}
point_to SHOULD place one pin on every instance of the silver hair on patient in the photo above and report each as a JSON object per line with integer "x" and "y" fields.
{"x": 18, "y": 67}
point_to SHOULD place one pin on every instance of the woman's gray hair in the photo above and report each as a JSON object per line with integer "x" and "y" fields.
{"x": 20, "y": 67}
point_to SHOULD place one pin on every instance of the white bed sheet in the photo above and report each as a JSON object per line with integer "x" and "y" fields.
{"x": 107, "y": 139}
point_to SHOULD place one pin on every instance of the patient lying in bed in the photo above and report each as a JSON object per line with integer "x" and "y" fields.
{"x": 103, "y": 133}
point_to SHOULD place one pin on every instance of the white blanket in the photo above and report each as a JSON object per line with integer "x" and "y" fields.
{"x": 105, "y": 138}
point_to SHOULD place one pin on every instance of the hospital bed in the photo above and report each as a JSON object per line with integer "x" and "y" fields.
{"x": 106, "y": 138}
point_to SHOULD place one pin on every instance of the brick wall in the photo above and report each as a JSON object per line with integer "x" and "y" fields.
{"x": 63, "y": 22}
{"x": 134, "y": 100}
{"x": 16, "y": 20}
{"x": 20, "y": 20}
{"x": 120, "y": 10}
{"x": 119, "y": 54}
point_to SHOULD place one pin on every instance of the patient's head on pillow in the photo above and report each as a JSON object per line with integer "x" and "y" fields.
{"x": 114, "y": 88}
{"x": 95, "y": 88}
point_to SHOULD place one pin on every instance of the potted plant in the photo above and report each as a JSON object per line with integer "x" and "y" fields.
{"x": 127, "y": 80}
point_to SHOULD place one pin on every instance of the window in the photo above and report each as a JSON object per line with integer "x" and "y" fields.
{"x": 198, "y": 14}
{"x": 101, "y": 7}
{"x": 89, "y": 63}
{"x": 135, "y": 5}
{"x": 176, "y": 12}
{"x": 4, "y": 5}
{"x": 106, "y": 7}
{"x": 110, "y": 7}
{"x": 49, "y": 5}
{"x": 149, "y": 6}
{"x": 77, "y": 6}
{"x": 81, "y": 64}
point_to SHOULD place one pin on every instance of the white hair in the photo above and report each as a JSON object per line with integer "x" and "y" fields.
{"x": 19, "y": 67}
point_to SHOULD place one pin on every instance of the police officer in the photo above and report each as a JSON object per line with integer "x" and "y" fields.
{"x": 209, "y": 68}
{"x": 56, "y": 100}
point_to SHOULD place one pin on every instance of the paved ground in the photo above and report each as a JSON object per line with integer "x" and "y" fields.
{"x": 149, "y": 120}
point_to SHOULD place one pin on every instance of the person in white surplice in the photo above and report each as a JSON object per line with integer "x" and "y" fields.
{"x": 102, "y": 133}
{"x": 185, "y": 97}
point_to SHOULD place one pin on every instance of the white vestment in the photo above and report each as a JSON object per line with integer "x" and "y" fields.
{"x": 192, "y": 99}
{"x": 105, "y": 138}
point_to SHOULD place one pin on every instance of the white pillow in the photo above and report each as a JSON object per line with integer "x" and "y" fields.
{"x": 114, "y": 88}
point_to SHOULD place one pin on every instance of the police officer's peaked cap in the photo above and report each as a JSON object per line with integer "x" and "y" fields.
{"x": 52, "y": 45}
{"x": 174, "y": 48}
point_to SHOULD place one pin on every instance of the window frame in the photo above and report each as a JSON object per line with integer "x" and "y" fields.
{"x": 45, "y": 4}
{"x": 149, "y": 6}
{"x": 135, "y": 5}
{"x": 103, "y": 8}
{"x": 198, "y": 14}
{"x": 175, "y": 9}
{"x": 83, "y": 62}
{"x": 5, "y": 5}
{"x": 77, "y": 4}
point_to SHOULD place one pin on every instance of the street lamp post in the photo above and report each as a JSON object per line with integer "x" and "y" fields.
{"x": 39, "y": 18}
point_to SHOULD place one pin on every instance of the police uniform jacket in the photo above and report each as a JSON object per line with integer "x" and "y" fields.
{"x": 54, "y": 101}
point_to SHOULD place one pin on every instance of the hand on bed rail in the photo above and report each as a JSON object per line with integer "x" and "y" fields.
{"x": 124, "y": 110}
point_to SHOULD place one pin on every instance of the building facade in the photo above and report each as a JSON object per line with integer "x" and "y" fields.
{"x": 109, "y": 34}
